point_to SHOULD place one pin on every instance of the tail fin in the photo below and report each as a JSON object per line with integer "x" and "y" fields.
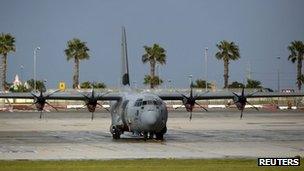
{"x": 124, "y": 58}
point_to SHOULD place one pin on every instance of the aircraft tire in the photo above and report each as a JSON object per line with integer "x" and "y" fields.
{"x": 116, "y": 136}
{"x": 159, "y": 136}
{"x": 115, "y": 133}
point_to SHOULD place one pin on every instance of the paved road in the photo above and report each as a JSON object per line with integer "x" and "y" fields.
{"x": 216, "y": 134}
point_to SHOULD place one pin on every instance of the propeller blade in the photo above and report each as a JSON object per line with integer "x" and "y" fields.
{"x": 40, "y": 114}
{"x": 197, "y": 95}
{"x": 103, "y": 107}
{"x": 92, "y": 116}
{"x": 35, "y": 102}
{"x": 254, "y": 93}
{"x": 243, "y": 91}
{"x": 182, "y": 95}
{"x": 252, "y": 106}
{"x": 52, "y": 93}
{"x": 241, "y": 114}
{"x": 201, "y": 106}
{"x": 52, "y": 106}
{"x": 34, "y": 95}
{"x": 85, "y": 95}
{"x": 102, "y": 95}
{"x": 235, "y": 94}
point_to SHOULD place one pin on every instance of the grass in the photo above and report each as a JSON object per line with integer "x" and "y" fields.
{"x": 139, "y": 165}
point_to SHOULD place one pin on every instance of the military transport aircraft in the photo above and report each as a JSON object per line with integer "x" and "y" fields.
{"x": 143, "y": 113}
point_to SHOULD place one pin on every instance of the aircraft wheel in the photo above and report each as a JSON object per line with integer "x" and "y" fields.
{"x": 159, "y": 136}
{"x": 151, "y": 135}
{"x": 145, "y": 136}
{"x": 116, "y": 136}
{"x": 115, "y": 133}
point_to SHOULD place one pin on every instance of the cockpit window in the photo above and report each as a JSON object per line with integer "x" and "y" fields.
{"x": 138, "y": 102}
{"x": 150, "y": 102}
{"x": 158, "y": 102}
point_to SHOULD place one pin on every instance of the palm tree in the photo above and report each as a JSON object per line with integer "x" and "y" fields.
{"x": 152, "y": 80}
{"x": 7, "y": 44}
{"x": 77, "y": 50}
{"x": 253, "y": 84}
{"x": 153, "y": 55}
{"x": 39, "y": 85}
{"x": 296, "y": 49}
{"x": 199, "y": 83}
{"x": 236, "y": 84}
{"x": 227, "y": 51}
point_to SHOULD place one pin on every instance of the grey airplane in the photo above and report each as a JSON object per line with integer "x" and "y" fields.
{"x": 142, "y": 113}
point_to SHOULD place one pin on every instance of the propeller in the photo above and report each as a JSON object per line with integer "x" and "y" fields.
{"x": 241, "y": 100}
{"x": 40, "y": 101}
{"x": 91, "y": 102}
{"x": 190, "y": 101}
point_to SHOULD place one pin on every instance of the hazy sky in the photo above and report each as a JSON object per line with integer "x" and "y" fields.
{"x": 262, "y": 28}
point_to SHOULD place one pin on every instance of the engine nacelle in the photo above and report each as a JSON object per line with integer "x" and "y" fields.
{"x": 240, "y": 102}
{"x": 39, "y": 103}
{"x": 189, "y": 104}
{"x": 91, "y": 105}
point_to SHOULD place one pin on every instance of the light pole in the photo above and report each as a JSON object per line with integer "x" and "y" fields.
{"x": 21, "y": 72}
{"x": 278, "y": 73}
{"x": 278, "y": 79}
{"x": 206, "y": 69}
{"x": 35, "y": 54}
{"x": 190, "y": 80}
{"x": 45, "y": 81}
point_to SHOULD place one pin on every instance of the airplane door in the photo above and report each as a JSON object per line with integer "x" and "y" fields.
{"x": 124, "y": 111}
{"x": 137, "y": 110}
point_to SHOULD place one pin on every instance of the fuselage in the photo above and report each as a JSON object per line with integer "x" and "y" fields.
{"x": 139, "y": 113}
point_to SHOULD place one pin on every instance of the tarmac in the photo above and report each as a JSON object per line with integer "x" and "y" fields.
{"x": 214, "y": 134}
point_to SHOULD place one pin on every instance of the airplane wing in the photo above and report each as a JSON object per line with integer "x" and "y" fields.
{"x": 77, "y": 96}
{"x": 63, "y": 96}
{"x": 225, "y": 95}
{"x": 40, "y": 99}
{"x": 240, "y": 99}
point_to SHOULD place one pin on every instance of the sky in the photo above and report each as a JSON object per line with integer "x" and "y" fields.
{"x": 262, "y": 30}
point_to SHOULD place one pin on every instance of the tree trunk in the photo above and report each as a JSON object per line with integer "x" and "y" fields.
{"x": 226, "y": 70}
{"x": 299, "y": 73}
{"x": 152, "y": 73}
{"x": 4, "y": 70}
{"x": 2, "y": 74}
{"x": 76, "y": 74}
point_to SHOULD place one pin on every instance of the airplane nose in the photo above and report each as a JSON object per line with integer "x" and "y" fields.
{"x": 149, "y": 117}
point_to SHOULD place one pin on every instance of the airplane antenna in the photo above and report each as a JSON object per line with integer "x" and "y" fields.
{"x": 124, "y": 59}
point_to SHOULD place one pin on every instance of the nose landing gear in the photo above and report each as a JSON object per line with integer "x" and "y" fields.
{"x": 160, "y": 135}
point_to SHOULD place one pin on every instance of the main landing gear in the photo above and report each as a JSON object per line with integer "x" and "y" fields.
{"x": 158, "y": 135}
{"x": 115, "y": 132}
